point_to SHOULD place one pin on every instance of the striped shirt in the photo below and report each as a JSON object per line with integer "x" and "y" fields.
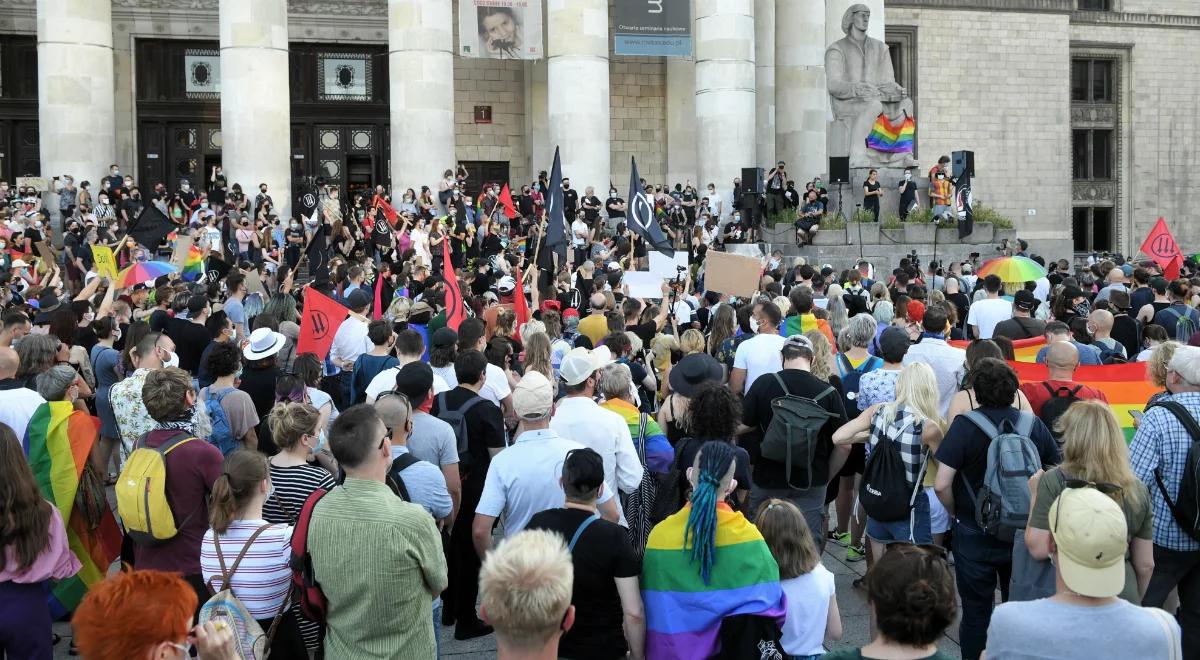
{"x": 293, "y": 485}
{"x": 263, "y": 578}
{"x": 1161, "y": 445}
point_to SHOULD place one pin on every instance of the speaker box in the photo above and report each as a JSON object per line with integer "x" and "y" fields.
{"x": 963, "y": 162}
{"x": 752, "y": 180}
{"x": 839, "y": 169}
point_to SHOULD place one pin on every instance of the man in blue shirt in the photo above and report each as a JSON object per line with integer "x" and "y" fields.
{"x": 1158, "y": 454}
{"x": 1058, "y": 331}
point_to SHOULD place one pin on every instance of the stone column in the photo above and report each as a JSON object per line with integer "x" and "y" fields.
{"x": 725, "y": 77}
{"x": 256, "y": 119}
{"x": 681, "y": 122}
{"x": 764, "y": 80}
{"x": 800, "y": 93}
{"x": 834, "y": 9}
{"x": 578, "y": 89}
{"x": 75, "y": 90}
{"x": 421, "y": 81}
{"x": 537, "y": 122}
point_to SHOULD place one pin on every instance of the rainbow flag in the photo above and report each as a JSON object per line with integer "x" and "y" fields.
{"x": 683, "y": 614}
{"x": 801, "y": 323}
{"x": 890, "y": 138}
{"x": 193, "y": 266}
{"x": 659, "y": 453}
{"x": 1125, "y": 386}
{"x": 57, "y": 443}
{"x": 1025, "y": 350}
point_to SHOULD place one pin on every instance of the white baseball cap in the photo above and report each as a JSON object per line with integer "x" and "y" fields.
{"x": 579, "y": 363}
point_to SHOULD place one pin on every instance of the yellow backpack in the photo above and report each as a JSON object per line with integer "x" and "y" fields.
{"x": 142, "y": 493}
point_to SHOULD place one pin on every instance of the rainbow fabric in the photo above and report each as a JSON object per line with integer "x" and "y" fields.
{"x": 683, "y": 614}
{"x": 802, "y": 323}
{"x": 659, "y": 454}
{"x": 57, "y": 442}
{"x": 1025, "y": 350}
{"x": 193, "y": 266}
{"x": 1124, "y": 385}
{"x": 890, "y": 138}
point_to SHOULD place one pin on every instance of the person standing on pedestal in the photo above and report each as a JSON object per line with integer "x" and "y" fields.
{"x": 570, "y": 198}
{"x": 940, "y": 193}
{"x": 776, "y": 182}
{"x": 908, "y": 195}
{"x": 872, "y": 191}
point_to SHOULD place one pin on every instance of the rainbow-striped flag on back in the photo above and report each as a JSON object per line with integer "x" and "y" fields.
{"x": 193, "y": 266}
{"x": 1025, "y": 350}
{"x": 890, "y": 138}
{"x": 683, "y": 614}
{"x": 659, "y": 453}
{"x": 1124, "y": 385}
{"x": 57, "y": 443}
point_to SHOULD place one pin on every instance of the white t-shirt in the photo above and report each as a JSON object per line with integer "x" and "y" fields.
{"x": 807, "y": 611}
{"x": 17, "y": 407}
{"x": 579, "y": 227}
{"x": 714, "y": 204}
{"x": 683, "y": 313}
{"x": 986, "y": 313}
{"x": 759, "y": 355}
{"x": 495, "y": 385}
{"x": 350, "y": 341}
{"x": 386, "y": 380}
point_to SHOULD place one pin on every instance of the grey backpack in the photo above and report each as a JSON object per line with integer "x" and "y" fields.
{"x": 793, "y": 436}
{"x": 1002, "y": 504}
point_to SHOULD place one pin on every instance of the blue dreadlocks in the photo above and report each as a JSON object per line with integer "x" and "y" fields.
{"x": 701, "y": 529}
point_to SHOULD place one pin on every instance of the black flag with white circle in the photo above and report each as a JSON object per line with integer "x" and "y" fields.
{"x": 641, "y": 215}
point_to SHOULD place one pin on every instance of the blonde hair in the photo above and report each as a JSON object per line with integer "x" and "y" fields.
{"x": 691, "y": 341}
{"x": 289, "y": 421}
{"x": 1094, "y": 448}
{"x": 787, "y": 535}
{"x": 916, "y": 390}
{"x": 505, "y": 320}
{"x": 525, "y": 588}
{"x": 822, "y": 361}
{"x": 783, "y": 303}
{"x": 1156, "y": 366}
{"x": 537, "y": 354}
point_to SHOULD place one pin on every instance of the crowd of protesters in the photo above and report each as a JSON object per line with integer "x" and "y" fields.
{"x": 504, "y": 440}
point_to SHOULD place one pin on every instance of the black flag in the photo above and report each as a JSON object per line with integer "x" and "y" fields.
{"x": 150, "y": 228}
{"x": 641, "y": 215}
{"x": 306, "y": 203}
{"x": 963, "y": 200}
{"x": 556, "y": 234}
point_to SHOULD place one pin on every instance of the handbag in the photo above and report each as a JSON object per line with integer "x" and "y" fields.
{"x": 639, "y": 505}
{"x": 1031, "y": 578}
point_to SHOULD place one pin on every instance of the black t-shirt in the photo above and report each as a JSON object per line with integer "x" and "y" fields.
{"x": 1020, "y": 327}
{"x": 601, "y": 555}
{"x": 961, "y": 303}
{"x": 86, "y": 337}
{"x": 260, "y": 385}
{"x": 485, "y": 429}
{"x": 132, "y": 207}
{"x": 644, "y": 331}
{"x": 592, "y": 214}
{"x": 964, "y": 449}
{"x": 1139, "y": 298}
{"x": 689, "y": 210}
{"x": 1128, "y": 331}
{"x": 296, "y": 233}
{"x": 872, "y": 201}
{"x": 612, "y": 212}
{"x": 908, "y": 193}
{"x": 757, "y": 414}
{"x": 190, "y": 341}
{"x": 491, "y": 245}
{"x": 570, "y": 203}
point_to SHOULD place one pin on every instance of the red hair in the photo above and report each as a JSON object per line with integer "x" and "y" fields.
{"x": 130, "y": 613}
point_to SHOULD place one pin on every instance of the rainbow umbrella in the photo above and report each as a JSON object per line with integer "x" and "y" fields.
{"x": 1013, "y": 270}
{"x": 143, "y": 271}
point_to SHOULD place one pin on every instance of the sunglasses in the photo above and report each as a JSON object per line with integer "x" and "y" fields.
{"x": 1112, "y": 490}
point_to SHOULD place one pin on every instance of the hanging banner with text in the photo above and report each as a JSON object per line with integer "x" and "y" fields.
{"x": 500, "y": 29}
{"x": 653, "y": 27}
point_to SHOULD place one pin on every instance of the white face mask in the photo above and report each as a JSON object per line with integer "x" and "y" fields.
{"x": 172, "y": 361}
{"x": 753, "y": 324}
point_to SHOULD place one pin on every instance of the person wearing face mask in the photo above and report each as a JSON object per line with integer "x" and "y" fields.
{"x": 294, "y": 239}
{"x": 908, "y": 195}
{"x": 247, "y": 554}
{"x": 112, "y": 183}
{"x": 131, "y": 409}
{"x": 570, "y": 198}
{"x": 218, "y": 186}
{"x": 131, "y": 207}
{"x": 940, "y": 193}
{"x": 68, "y": 195}
{"x": 79, "y": 253}
{"x": 261, "y": 198}
{"x": 186, "y": 194}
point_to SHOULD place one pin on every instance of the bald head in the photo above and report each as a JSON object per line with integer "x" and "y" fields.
{"x": 1062, "y": 357}
{"x": 8, "y": 362}
{"x": 951, "y": 285}
{"x": 1101, "y": 321}
{"x": 1116, "y": 276}
{"x": 598, "y": 302}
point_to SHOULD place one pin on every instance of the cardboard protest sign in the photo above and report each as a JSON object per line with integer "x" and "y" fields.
{"x": 179, "y": 255}
{"x": 732, "y": 274}
{"x": 106, "y": 263}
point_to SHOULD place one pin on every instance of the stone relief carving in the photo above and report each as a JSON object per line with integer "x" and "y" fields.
{"x": 343, "y": 8}
{"x": 1093, "y": 114}
{"x": 1090, "y": 191}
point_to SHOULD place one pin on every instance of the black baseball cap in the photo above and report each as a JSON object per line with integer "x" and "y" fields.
{"x": 414, "y": 380}
{"x": 1025, "y": 300}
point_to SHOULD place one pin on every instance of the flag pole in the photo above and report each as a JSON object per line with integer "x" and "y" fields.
{"x": 537, "y": 250}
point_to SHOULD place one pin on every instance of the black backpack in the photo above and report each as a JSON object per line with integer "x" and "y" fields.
{"x": 402, "y": 463}
{"x": 457, "y": 419}
{"x": 1060, "y": 399}
{"x": 1111, "y": 355}
{"x": 1185, "y": 508}
{"x": 851, "y": 378}
{"x": 884, "y": 491}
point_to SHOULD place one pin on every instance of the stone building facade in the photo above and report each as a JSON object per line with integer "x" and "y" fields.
{"x": 1080, "y": 112}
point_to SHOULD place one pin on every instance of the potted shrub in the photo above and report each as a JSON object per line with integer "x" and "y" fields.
{"x": 833, "y": 231}
{"x": 864, "y": 229}
{"x": 1002, "y": 225}
{"x": 891, "y": 230}
{"x": 919, "y": 228}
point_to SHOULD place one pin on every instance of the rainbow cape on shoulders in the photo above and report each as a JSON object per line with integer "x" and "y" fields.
{"x": 659, "y": 453}
{"x": 683, "y": 614}
{"x": 57, "y": 444}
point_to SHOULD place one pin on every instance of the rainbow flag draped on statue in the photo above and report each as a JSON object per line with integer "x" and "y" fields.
{"x": 683, "y": 613}
{"x": 1124, "y": 385}
{"x": 57, "y": 443}
{"x": 891, "y": 138}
